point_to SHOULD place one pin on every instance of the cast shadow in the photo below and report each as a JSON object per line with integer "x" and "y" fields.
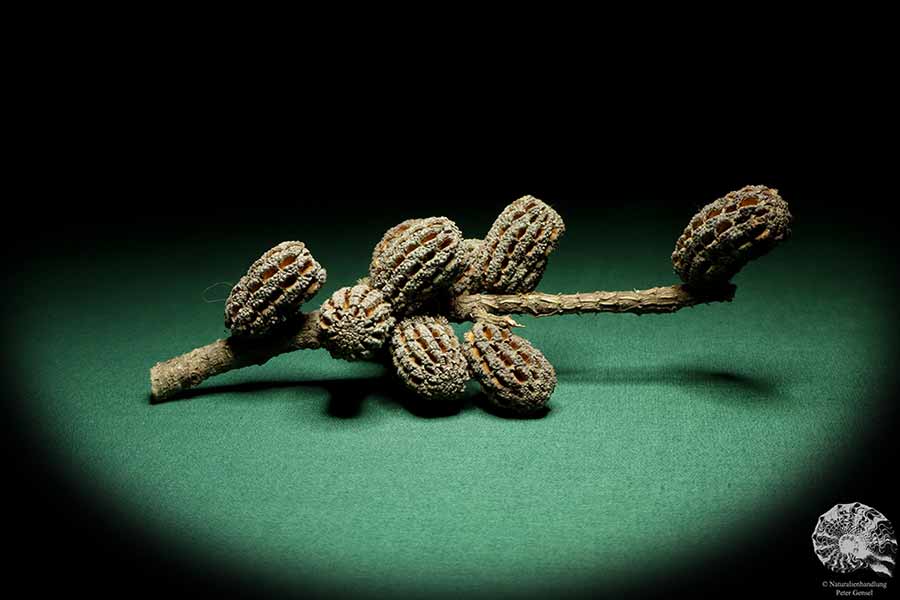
{"x": 740, "y": 386}
{"x": 396, "y": 393}
{"x": 481, "y": 401}
{"x": 346, "y": 397}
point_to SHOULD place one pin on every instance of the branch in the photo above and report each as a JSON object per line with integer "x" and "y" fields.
{"x": 653, "y": 301}
{"x": 169, "y": 378}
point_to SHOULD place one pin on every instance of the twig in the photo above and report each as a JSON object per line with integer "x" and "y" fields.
{"x": 169, "y": 378}
{"x": 655, "y": 300}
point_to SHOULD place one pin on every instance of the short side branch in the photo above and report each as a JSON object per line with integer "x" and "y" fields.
{"x": 655, "y": 300}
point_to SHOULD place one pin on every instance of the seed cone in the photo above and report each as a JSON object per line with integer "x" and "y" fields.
{"x": 272, "y": 290}
{"x": 428, "y": 358}
{"x": 355, "y": 322}
{"x": 415, "y": 260}
{"x": 514, "y": 254}
{"x": 469, "y": 281}
{"x": 515, "y": 376}
{"x": 728, "y": 233}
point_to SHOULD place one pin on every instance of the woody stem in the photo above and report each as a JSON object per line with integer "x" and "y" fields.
{"x": 170, "y": 378}
{"x": 656, "y": 300}
{"x": 174, "y": 376}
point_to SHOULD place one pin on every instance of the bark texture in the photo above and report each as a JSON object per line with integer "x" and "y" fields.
{"x": 656, "y": 300}
{"x": 169, "y": 378}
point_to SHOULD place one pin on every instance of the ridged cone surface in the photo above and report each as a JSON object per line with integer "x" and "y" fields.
{"x": 273, "y": 289}
{"x": 428, "y": 357}
{"x": 728, "y": 233}
{"x": 513, "y": 256}
{"x": 469, "y": 279}
{"x": 355, "y": 322}
{"x": 415, "y": 260}
{"x": 514, "y": 375}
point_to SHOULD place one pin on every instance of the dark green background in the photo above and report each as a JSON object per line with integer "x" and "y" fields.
{"x": 684, "y": 453}
{"x": 672, "y": 443}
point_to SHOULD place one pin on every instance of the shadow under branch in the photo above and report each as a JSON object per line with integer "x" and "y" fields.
{"x": 347, "y": 397}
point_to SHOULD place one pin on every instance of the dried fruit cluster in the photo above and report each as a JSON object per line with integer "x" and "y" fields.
{"x": 423, "y": 274}
{"x": 395, "y": 316}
